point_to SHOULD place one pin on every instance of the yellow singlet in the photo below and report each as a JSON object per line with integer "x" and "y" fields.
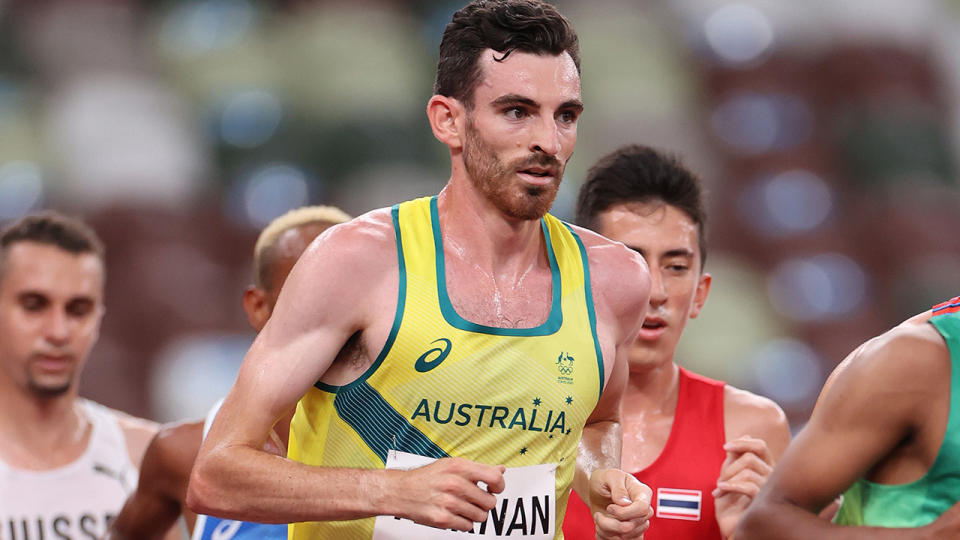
{"x": 444, "y": 386}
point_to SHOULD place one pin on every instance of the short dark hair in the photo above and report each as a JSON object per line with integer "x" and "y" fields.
{"x": 52, "y": 228}
{"x": 636, "y": 173}
{"x": 505, "y": 26}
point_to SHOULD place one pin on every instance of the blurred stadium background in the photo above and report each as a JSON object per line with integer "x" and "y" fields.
{"x": 825, "y": 131}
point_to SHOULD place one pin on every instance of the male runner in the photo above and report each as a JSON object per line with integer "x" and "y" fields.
{"x": 66, "y": 463}
{"x": 159, "y": 499}
{"x": 703, "y": 447}
{"x": 886, "y": 434}
{"x": 470, "y": 331}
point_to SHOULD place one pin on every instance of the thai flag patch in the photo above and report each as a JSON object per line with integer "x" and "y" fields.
{"x": 678, "y": 503}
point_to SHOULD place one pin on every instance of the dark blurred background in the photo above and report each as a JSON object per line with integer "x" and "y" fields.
{"x": 825, "y": 131}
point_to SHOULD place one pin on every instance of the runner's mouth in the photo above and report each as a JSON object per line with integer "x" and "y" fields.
{"x": 539, "y": 172}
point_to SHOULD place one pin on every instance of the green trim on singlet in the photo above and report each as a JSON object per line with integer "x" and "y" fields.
{"x": 551, "y": 325}
{"x": 380, "y": 426}
{"x": 588, "y": 297}
{"x": 948, "y": 325}
{"x": 917, "y": 503}
{"x": 397, "y": 318}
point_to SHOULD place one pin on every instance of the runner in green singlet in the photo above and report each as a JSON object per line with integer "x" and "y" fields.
{"x": 886, "y": 434}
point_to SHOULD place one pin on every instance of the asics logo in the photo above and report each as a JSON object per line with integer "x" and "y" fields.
{"x": 226, "y": 530}
{"x": 434, "y": 356}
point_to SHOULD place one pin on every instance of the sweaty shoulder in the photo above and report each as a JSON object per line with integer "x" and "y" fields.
{"x": 749, "y": 414}
{"x": 358, "y": 247}
{"x": 899, "y": 365}
{"x": 911, "y": 350}
{"x": 341, "y": 281}
{"x": 619, "y": 276}
{"x": 174, "y": 448}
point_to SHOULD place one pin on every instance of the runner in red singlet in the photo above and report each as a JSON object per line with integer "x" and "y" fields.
{"x": 702, "y": 446}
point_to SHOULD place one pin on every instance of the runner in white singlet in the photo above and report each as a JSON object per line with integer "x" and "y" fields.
{"x": 66, "y": 463}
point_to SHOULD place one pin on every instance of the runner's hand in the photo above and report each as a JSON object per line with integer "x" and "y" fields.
{"x": 620, "y": 505}
{"x": 445, "y": 494}
{"x": 743, "y": 473}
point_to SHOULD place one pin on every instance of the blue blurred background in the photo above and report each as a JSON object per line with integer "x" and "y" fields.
{"x": 826, "y": 133}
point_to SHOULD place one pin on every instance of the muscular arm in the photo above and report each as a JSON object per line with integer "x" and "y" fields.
{"x": 313, "y": 318}
{"x": 601, "y": 442}
{"x": 749, "y": 415}
{"x": 621, "y": 288}
{"x": 620, "y": 284}
{"x": 348, "y": 275}
{"x": 756, "y": 433}
{"x": 873, "y": 401}
{"x": 158, "y": 501}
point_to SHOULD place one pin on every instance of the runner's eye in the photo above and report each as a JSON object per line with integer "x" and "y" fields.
{"x": 515, "y": 113}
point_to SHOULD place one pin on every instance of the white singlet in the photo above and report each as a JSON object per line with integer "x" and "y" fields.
{"x": 76, "y": 501}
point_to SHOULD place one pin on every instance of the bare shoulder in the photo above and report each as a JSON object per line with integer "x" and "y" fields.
{"x": 609, "y": 259}
{"x": 345, "y": 263}
{"x": 354, "y": 253}
{"x": 888, "y": 378}
{"x": 136, "y": 431}
{"x": 619, "y": 276}
{"x": 364, "y": 237}
{"x": 174, "y": 447}
{"x": 177, "y": 434}
{"x": 910, "y": 353}
{"x": 749, "y": 414}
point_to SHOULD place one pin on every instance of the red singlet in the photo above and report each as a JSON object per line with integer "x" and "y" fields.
{"x": 683, "y": 475}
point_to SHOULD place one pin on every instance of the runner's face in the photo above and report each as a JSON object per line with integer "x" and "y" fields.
{"x": 668, "y": 240}
{"x": 51, "y": 304}
{"x": 522, "y": 130}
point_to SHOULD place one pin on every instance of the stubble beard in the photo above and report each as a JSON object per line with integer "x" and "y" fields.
{"x": 47, "y": 392}
{"x": 51, "y": 388}
{"x": 497, "y": 181}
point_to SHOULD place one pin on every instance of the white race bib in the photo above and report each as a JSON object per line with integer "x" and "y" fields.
{"x": 526, "y": 508}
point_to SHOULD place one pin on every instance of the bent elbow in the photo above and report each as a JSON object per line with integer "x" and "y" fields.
{"x": 202, "y": 495}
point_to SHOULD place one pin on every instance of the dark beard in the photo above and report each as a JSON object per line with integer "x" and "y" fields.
{"x": 47, "y": 392}
{"x": 493, "y": 179}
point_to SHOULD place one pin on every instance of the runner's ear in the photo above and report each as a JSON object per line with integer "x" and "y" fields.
{"x": 447, "y": 120}
{"x": 700, "y": 296}
{"x": 256, "y": 307}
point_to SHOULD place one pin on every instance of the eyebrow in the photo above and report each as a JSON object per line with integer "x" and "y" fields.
{"x": 514, "y": 99}
{"x": 35, "y": 292}
{"x": 517, "y": 99}
{"x": 677, "y": 252}
{"x": 573, "y": 104}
